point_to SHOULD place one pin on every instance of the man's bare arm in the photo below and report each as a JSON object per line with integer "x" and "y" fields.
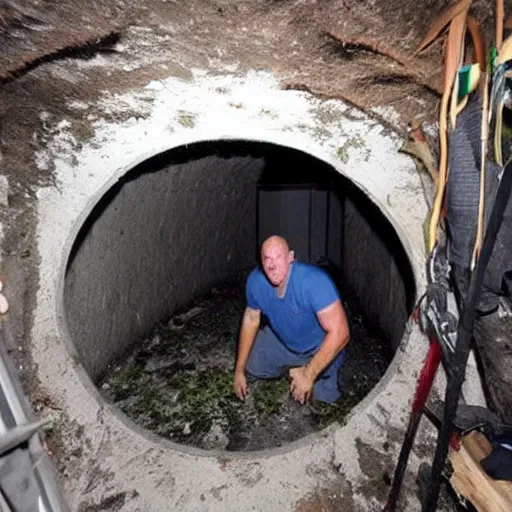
{"x": 334, "y": 322}
{"x": 248, "y": 331}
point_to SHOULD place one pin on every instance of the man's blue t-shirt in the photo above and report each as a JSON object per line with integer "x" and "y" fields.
{"x": 293, "y": 317}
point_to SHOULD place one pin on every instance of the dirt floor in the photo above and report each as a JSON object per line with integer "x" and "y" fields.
{"x": 179, "y": 382}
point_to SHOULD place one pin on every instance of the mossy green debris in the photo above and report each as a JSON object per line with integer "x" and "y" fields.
{"x": 178, "y": 382}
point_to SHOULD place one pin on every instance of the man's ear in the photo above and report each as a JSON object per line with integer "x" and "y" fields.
{"x": 291, "y": 256}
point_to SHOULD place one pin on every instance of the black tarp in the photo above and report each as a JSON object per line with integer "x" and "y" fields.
{"x": 493, "y": 330}
{"x": 463, "y": 190}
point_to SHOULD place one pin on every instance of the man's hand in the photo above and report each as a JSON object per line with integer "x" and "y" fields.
{"x": 302, "y": 384}
{"x": 240, "y": 385}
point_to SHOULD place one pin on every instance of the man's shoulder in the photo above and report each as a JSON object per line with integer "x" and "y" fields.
{"x": 313, "y": 279}
{"x": 308, "y": 271}
{"x": 255, "y": 289}
{"x": 256, "y": 278}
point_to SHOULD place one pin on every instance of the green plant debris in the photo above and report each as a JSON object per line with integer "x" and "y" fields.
{"x": 355, "y": 142}
{"x": 186, "y": 120}
{"x": 178, "y": 382}
{"x": 342, "y": 154}
{"x": 269, "y": 396}
{"x": 269, "y": 113}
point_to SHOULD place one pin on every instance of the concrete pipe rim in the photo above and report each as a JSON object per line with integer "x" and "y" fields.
{"x": 93, "y": 390}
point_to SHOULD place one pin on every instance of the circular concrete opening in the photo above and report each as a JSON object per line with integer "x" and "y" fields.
{"x": 191, "y": 219}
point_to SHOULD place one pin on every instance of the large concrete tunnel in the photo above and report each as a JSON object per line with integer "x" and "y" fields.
{"x": 189, "y": 217}
{"x": 153, "y": 211}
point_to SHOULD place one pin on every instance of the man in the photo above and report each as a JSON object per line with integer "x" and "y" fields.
{"x": 308, "y": 326}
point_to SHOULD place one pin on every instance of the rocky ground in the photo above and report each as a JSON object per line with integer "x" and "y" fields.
{"x": 178, "y": 381}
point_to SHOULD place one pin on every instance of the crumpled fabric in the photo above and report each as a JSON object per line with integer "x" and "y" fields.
{"x": 462, "y": 198}
{"x": 498, "y": 464}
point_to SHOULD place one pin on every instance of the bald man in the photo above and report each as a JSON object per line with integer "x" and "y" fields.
{"x": 308, "y": 327}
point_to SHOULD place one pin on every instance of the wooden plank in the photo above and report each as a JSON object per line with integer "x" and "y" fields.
{"x": 471, "y": 481}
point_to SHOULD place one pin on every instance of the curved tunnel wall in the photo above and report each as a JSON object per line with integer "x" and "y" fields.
{"x": 156, "y": 240}
{"x": 185, "y": 219}
{"x": 376, "y": 267}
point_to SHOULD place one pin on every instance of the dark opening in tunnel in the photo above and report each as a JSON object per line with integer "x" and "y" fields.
{"x": 193, "y": 217}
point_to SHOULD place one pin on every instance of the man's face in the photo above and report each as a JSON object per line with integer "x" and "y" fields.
{"x": 276, "y": 261}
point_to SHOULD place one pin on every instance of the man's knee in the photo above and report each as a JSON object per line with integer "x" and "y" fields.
{"x": 267, "y": 358}
{"x": 255, "y": 367}
{"x": 260, "y": 364}
{"x": 326, "y": 390}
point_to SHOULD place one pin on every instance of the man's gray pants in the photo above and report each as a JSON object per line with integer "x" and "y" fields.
{"x": 270, "y": 358}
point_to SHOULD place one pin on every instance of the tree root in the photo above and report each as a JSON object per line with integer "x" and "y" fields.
{"x": 346, "y": 97}
{"x": 379, "y": 48}
{"x": 84, "y": 50}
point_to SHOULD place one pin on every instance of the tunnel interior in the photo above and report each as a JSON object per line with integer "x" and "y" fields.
{"x": 190, "y": 220}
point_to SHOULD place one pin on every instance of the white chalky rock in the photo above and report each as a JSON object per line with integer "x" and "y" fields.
{"x": 4, "y": 305}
